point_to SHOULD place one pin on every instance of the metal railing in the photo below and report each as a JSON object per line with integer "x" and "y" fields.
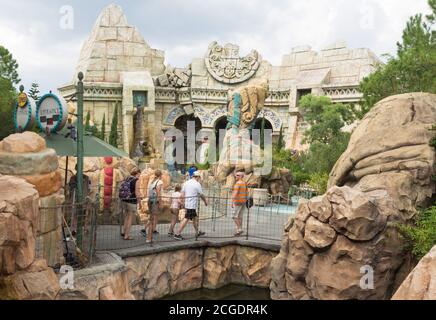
{"x": 264, "y": 221}
{"x": 61, "y": 240}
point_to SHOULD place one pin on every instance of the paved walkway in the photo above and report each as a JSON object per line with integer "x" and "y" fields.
{"x": 265, "y": 227}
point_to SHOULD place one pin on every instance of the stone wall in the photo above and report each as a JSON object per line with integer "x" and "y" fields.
{"x": 158, "y": 275}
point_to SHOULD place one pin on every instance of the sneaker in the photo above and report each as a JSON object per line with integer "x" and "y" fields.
{"x": 239, "y": 233}
{"x": 178, "y": 237}
{"x": 201, "y": 233}
{"x": 144, "y": 233}
{"x": 171, "y": 234}
{"x": 155, "y": 232}
{"x": 148, "y": 241}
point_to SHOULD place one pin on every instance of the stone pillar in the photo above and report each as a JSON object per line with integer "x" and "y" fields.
{"x": 26, "y": 156}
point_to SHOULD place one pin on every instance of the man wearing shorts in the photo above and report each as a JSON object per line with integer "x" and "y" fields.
{"x": 191, "y": 191}
{"x": 239, "y": 200}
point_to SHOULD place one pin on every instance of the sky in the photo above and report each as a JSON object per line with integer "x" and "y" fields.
{"x": 46, "y": 36}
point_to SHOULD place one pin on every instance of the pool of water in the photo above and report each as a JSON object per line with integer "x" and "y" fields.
{"x": 230, "y": 292}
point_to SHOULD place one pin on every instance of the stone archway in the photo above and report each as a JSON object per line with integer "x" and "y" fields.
{"x": 220, "y": 124}
{"x": 181, "y": 123}
{"x": 258, "y": 125}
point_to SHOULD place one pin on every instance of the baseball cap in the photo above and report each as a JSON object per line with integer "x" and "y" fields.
{"x": 196, "y": 174}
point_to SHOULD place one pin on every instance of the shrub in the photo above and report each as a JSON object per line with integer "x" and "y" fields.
{"x": 422, "y": 236}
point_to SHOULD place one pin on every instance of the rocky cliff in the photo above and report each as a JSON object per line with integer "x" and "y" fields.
{"x": 344, "y": 244}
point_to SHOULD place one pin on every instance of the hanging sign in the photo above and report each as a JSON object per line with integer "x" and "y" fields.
{"x": 25, "y": 112}
{"x": 52, "y": 113}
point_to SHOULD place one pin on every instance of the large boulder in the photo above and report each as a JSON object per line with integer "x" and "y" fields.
{"x": 421, "y": 283}
{"x": 338, "y": 238}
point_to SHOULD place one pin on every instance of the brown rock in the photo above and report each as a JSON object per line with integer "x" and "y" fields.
{"x": 320, "y": 208}
{"x": 17, "y": 164}
{"x": 381, "y": 179}
{"x": 354, "y": 214}
{"x": 23, "y": 143}
{"x": 46, "y": 184}
{"x": 421, "y": 283}
{"x": 24, "y": 285}
{"x": 318, "y": 235}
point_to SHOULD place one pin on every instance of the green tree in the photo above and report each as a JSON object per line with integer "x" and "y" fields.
{"x": 8, "y": 97}
{"x": 280, "y": 142}
{"x": 8, "y": 66}
{"x": 412, "y": 70}
{"x": 34, "y": 91}
{"x": 8, "y": 94}
{"x": 91, "y": 129}
{"x": 103, "y": 128}
{"x": 113, "y": 136}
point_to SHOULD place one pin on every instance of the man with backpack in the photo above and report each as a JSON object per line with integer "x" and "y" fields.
{"x": 129, "y": 195}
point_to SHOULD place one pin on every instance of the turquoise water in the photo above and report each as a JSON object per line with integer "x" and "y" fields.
{"x": 230, "y": 292}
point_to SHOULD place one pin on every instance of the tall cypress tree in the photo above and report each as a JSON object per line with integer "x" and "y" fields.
{"x": 280, "y": 142}
{"x": 113, "y": 137}
{"x": 103, "y": 127}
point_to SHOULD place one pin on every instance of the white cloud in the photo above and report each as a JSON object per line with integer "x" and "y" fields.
{"x": 48, "y": 55}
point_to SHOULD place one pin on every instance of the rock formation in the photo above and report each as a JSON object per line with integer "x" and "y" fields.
{"x": 22, "y": 275}
{"x": 115, "y": 47}
{"x": 25, "y": 155}
{"x": 421, "y": 282}
{"x": 238, "y": 151}
{"x": 338, "y": 238}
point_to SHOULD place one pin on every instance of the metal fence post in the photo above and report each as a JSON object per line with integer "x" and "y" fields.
{"x": 248, "y": 222}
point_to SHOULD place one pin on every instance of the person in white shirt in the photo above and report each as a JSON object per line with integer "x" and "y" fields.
{"x": 191, "y": 191}
{"x": 175, "y": 208}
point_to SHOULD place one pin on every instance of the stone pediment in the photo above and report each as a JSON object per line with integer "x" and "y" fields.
{"x": 225, "y": 65}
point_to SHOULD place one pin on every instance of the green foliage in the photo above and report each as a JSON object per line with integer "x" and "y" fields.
{"x": 421, "y": 237}
{"x": 8, "y": 66}
{"x": 326, "y": 118}
{"x": 319, "y": 181}
{"x": 91, "y": 129}
{"x": 280, "y": 142}
{"x": 34, "y": 91}
{"x": 327, "y": 142}
{"x": 113, "y": 136}
{"x": 7, "y": 105}
{"x": 103, "y": 128}
{"x": 414, "y": 68}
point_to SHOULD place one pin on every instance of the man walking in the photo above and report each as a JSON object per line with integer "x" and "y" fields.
{"x": 191, "y": 191}
{"x": 239, "y": 201}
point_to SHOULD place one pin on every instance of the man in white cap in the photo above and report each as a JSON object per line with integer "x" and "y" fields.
{"x": 191, "y": 191}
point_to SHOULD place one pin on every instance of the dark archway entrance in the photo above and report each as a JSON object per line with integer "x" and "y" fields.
{"x": 182, "y": 125}
{"x": 258, "y": 125}
{"x": 220, "y": 124}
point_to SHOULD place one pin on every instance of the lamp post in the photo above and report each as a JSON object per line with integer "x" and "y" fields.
{"x": 80, "y": 153}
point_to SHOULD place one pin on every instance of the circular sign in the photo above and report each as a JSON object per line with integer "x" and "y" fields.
{"x": 22, "y": 99}
{"x": 24, "y": 115}
{"x": 52, "y": 113}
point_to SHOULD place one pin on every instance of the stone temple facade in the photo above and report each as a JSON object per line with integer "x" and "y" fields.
{"x": 121, "y": 69}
